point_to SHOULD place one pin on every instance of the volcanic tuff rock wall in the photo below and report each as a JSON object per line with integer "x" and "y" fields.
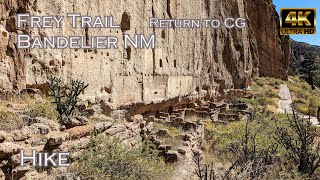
{"x": 186, "y": 61}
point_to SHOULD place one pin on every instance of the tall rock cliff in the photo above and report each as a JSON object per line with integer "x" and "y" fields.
{"x": 198, "y": 62}
{"x": 273, "y": 50}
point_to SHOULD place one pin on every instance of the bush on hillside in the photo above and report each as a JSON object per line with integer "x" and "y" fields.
{"x": 298, "y": 139}
{"x": 250, "y": 147}
{"x": 109, "y": 159}
{"x": 65, "y": 95}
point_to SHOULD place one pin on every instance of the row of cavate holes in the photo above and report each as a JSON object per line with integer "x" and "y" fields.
{"x": 95, "y": 51}
{"x": 125, "y": 25}
{"x": 51, "y": 63}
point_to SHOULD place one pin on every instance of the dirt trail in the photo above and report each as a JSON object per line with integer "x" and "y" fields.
{"x": 286, "y": 101}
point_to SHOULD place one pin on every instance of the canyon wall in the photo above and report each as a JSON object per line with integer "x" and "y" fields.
{"x": 297, "y": 52}
{"x": 273, "y": 49}
{"x": 198, "y": 62}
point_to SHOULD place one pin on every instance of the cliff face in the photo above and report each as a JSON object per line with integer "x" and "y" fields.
{"x": 273, "y": 50}
{"x": 297, "y": 52}
{"x": 198, "y": 62}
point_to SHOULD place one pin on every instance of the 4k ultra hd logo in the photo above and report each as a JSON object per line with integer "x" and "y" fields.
{"x": 297, "y": 21}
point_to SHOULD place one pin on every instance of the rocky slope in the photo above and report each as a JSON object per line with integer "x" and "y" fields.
{"x": 198, "y": 62}
{"x": 297, "y": 52}
{"x": 176, "y": 146}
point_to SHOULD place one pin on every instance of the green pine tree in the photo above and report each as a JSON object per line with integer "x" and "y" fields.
{"x": 308, "y": 69}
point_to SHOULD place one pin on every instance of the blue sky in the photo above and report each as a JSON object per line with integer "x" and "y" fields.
{"x": 311, "y": 39}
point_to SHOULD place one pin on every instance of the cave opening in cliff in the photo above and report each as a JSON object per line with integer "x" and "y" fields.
{"x": 163, "y": 34}
{"x": 125, "y": 22}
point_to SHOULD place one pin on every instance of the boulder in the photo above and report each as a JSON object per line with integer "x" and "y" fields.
{"x": 128, "y": 124}
{"x": 56, "y": 138}
{"x": 15, "y": 159}
{"x": 7, "y": 149}
{"x": 102, "y": 126}
{"x": 115, "y": 129}
{"x": 39, "y": 128}
{"x": 21, "y": 134}
{"x": 80, "y": 131}
{"x": 71, "y": 122}
{"x": 75, "y": 145}
{"x": 37, "y": 140}
{"x": 54, "y": 125}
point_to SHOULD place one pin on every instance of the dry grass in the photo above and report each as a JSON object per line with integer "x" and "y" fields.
{"x": 266, "y": 90}
{"x": 9, "y": 120}
{"x": 12, "y": 109}
{"x": 304, "y": 97}
{"x": 266, "y": 93}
